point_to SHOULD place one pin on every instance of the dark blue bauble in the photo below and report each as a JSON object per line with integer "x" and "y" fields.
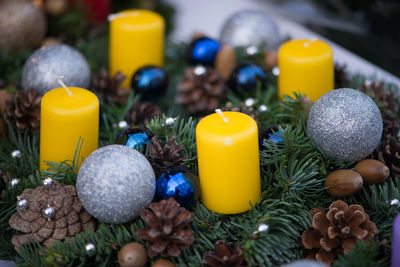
{"x": 150, "y": 82}
{"x": 273, "y": 134}
{"x": 179, "y": 184}
{"x": 203, "y": 51}
{"x": 135, "y": 137}
{"x": 246, "y": 77}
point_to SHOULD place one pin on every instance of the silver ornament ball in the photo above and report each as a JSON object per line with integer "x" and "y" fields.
{"x": 305, "y": 263}
{"x": 48, "y": 212}
{"x": 14, "y": 182}
{"x": 46, "y": 64}
{"x": 115, "y": 183}
{"x": 16, "y": 154}
{"x": 346, "y": 124}
{"x": 250, "y": 28}
{"x": 22, "y": 204}
{"x": 90, "y": 247}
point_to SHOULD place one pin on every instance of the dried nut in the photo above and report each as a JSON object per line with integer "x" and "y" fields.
{"x": 372, "y": 171}
{"x": 343, "y": 183}
{"x": 271, "y": 59}
{"x": 225, "y": 61}
{"x": 163, "y": 263}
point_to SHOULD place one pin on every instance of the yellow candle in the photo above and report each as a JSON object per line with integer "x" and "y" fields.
{"x": 228, "y": 160}
{"x": 136, "y": 40}
{"x": 305, "y": 66}
{"x": 64, "y": 119}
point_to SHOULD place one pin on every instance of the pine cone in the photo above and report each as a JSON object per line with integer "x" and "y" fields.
{"x": 384, "y": 97}
{"x": 142, "y": 112}
{"x": 243, "y": 108}
{"x": 389, "y": 153}
{"x": 390, "y": 125}
{"x": 336, "y": 231}
{"x": 162, "y": 158}
{"x": 224, "y": 256}
{"x": 341, "y": 78}
{"x": 167, "y": 228}
{"x": 201, "y": 89}
{"x": 109, "y": 89}
{"x": 23, "y": 110}
{"x": 69, "y": 219}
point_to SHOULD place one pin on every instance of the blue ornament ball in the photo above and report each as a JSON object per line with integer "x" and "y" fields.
{"x": 135, "y": 137}
{"x": 246, "y": 78}
{"x": 203, "y": 51}
{"x": 150, "y": 82}
{"x": 179, "y": 184}
{"x": 272, "y": 134}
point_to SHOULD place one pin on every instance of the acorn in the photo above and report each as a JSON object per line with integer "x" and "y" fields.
{"x": 132, "y": 254}
{"x": 343, "y": 183}
{"x": 372, "y": 171}
{"x": 163, "y": 263}
{"x": 225, "y": 61}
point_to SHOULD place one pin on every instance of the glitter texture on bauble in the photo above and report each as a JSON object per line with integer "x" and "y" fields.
{"x": 115, "y": 183}
{"x": 346, "y": 124}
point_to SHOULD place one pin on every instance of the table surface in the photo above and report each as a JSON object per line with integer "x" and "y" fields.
{"x": 208, "y": 16}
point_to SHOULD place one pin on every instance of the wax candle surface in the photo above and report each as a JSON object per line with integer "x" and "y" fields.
{"x": 228, "y": 161}
{"x": 395, "y": 260}
{"x": 305, "y": 66}
{"x": 136, "y": 40}
{"x": 63, "y": 120}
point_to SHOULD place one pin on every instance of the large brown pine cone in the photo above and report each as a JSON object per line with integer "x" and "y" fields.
{"x": 23, "y": 110}
{"x": 201, "y": 89}
{"x": 142, "y": 112}
{"x": 69, "y": 219}
{"x": 162, "y": 158}
{"x": 377, "y": 92}
{"x": 224, "y": 256}
{"x": 109, "y": 89}
{"x": 336, "y": 231}
{"x": 167, "y": 229}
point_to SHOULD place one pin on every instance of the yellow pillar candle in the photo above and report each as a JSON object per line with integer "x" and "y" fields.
{"x": 65, "y": 117}
{"x": 306, "y": 67}
{"x": 228, "y": 161}
{"x": 136, "y": 40}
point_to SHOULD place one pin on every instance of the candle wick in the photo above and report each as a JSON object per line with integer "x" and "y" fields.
{"x": 60, "y": 81}
{"x": 312, "y": 40}
{"x": 222, "y": 115}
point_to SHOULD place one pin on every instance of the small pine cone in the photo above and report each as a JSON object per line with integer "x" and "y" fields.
{"x": 224, "y": 256}
{"x": 142, "y": 112}
{"x": 162, "y": 158}
{"x": 384, "y": 97}
{"x": 390, "y": 125}
{"x": 243, "y": 108}
{"x": 109, "y": 89}
{"x": 69, "y": 218}
{"x": 335, "y": 231}
{"x": 201, "y": 89}
{"x": 167, "y": 228}
{"x": 389, "y": 153}
{"x": 341, "y": 77}
{"x": 23, "y": 110}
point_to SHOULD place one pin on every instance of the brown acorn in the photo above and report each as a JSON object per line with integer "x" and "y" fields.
{"x": 372, "y": 171}
{"x": 226, "y": 61}
{"x": 343, "y": 183}
{"x": 163, "y": 263}
{"x": 132, "y": 255}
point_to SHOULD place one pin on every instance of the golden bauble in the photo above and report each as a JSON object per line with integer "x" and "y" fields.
{"x": 132, "y": 255}
{"x": 22, "y": 25}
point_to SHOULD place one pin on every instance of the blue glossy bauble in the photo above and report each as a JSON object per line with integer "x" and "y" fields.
{"x": 203, "y": 51}
{"x": 246, "y": 78}
{"x": 135, "y": 137}
{"x": 272, "y": 134}
{"x": 150, "y": 82}
{"x": 179, "y": 184}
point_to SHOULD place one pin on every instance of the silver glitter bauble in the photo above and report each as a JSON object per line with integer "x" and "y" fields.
{"x": 346, "y": 124}
{"x": 250, "y": 28}
{"x": 48, "y": 212}
{"x": 14, "y": 182}
{"x": 115, "y": 183}
{"x": 22, "y": 204}
{"x": 46, "y": 64}
{"x": 48, "y": 182}
{"x": 305, "y": 263}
